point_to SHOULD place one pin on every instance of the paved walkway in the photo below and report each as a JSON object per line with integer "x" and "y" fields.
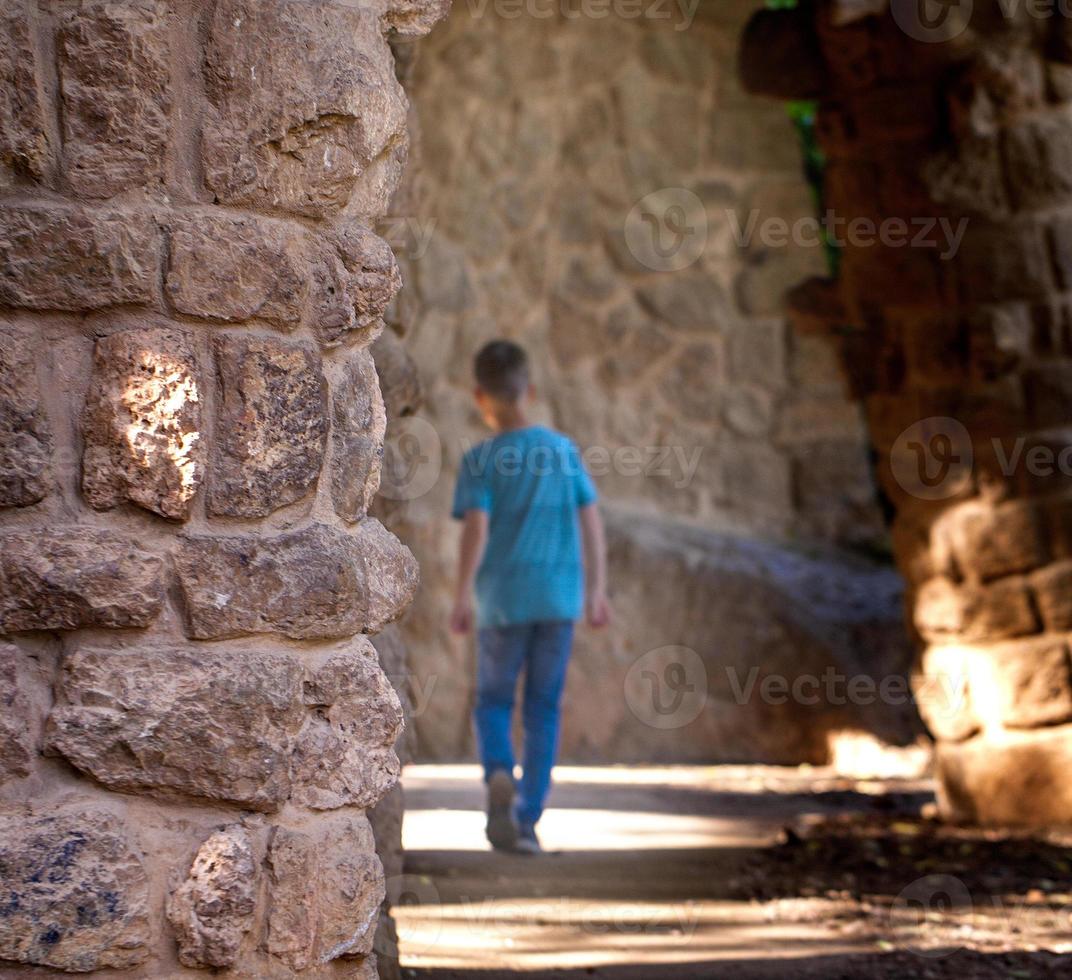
{"x": 643, "y": 883}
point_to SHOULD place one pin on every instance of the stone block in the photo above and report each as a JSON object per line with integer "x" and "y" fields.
{"x": 414, "y": 18}
{"x": 1028, "y": 683}
{"x": 945, "y": 611}
{"x": 690, "y": 385}
{"x": 355, "y": 278}
{"x": 63, "y": 258}
{"x": 759, "y": 479}
{"x": 1000, "y": 263}
{"x": 75, "y": 577}
{"x": 24, "y": 140}
{"x": 345, "y": 754}
{"x": 758, "y": 353}
{"x": 236, "y": 267}
{"x": 687, "y": 302}
{"x": 1047, "y": 388}
{"x": 142, "y": 423}
{"x": 213, "y": 908}
{"x": 442, "y": 278}
{"x": 271, "y": 428}
{"x": 304, "y": 104}
{"x": 1037, "y": 154}
{"x": 25, "y": 434}
{"x": 316, "y": 583}
{"x": 1052, "y": 588}
{"x": 76, "y": 897}
{"x": 181, "y": 722}
{"x": 114, "y": 73}
{"x": 990, "y": 542}
{"x": 1015, "y": 780}
{"x": 357, "y": 444}
{"x": 18, "y": 717}
{"x": 631, "y": 343}
{"x": 400, "y": 381}
{"x": 326, "y": 887}
{"x": 943, "y": 694}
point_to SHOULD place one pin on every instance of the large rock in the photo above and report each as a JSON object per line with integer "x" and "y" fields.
{"x": 345, "y": 754}
{"x": 683, "y": 691}
{"x": 74, "y": 577}
{"x": 114, "y": 70}
{"x": 24, "y": 141}
{"x": 64, "y": 258}
{"x": 25, "y": 433}
{"x": 236, "y": 267}
{"x": 76, "y": 896}
{"x": 181, "y": 722}
{"x": 316, "y": 583}
{"x": 213, "y": 909}
{"x": 305, "y": 103}
{"x": 18, "y": 716}
{"x": 326, "y": 891}
{"x": 357, "y": 443}
{"x": 400, "y": 382}
{"x": 271, "y": 428}
{"x": 142, "y": 423}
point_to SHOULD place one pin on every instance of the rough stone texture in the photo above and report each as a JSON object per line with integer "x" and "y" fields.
{"x": 24, "y": 141}
{"x": 400, "y": 382}
{"x": 271, "y": 428}
{"x": 306, "y": 102}
{"x": 67, "y": 578}
{"x": 25, "y": 432}
{"x": 232, "y": 268}
{"x": 357, "y": 438}
{"x": 181, "y": 722}
{"x": 64, "y": 258}
{"x": 317, "y": 583}
{"x": 325, "y": 893}
{"x": 345, "y": 754}
{"x": 213, "y": 909}
{"x": 18, "y": 721}
{"x": 142, "y": 423}
{"x": 76, "y": 893}
{"x": 114, "y": 68}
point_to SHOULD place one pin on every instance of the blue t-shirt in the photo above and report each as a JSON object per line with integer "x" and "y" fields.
{"x": 531, "y": 482}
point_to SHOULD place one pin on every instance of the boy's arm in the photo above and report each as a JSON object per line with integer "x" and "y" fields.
{"x": 597, "y": 609}
{"x": 471, "y": 551}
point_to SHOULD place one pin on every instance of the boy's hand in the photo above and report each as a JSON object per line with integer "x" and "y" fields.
{"x": 461, "y": 617}
{"x": 598, "y": 610}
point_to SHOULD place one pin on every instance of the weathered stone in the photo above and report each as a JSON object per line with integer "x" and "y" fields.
{"x": 316, "y": 583}
{"x": 181, "y": 722}
{"x": 991, "y": 542}
{"x": 1028, "y": 684}
{"x": 1038, "y": 159}
{"x": 1052, "y": 588}
{"x": 414, "y": 18}
{"x": 400, "y": 383}
{"x": 142, "y": 423}
{"x": 325, "y": 892}
{"x": 18, "y": 737}
{"x": 232, "y": 268}
{"x": 441, "y": 277}
{"x": 114, "y": 68}
{"x": 305, "y": 101}
{"x": 25, "y": 433}
{"x": 345, "y": 754}
{"x": 691, "y": 385}
{"x": 24, "y": 141}
{"x": 357, "y": 442}
{"x": 945, "y": 611}
{"x": 213, "y": 909}
{"x": 943, "y": 693}
{"x": 75, "y": 892}
{"x": 355, "y": 279}
{"x": 271, "y": 428}
{"x": 688, "y": 302}
{"x": 780, "y": 55}
{"x": 73, "y": 577}
{"x": 1013, "y": 781}
{"x": 63, "y": 258}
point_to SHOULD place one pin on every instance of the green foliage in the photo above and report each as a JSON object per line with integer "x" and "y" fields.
{"x": 803, "y": 115}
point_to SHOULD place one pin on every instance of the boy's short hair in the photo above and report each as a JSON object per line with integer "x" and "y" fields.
{"x": 502, "y": 370}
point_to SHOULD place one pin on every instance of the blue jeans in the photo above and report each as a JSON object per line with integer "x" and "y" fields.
{"x": 542, "y": 650}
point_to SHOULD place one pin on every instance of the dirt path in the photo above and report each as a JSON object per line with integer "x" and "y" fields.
{"x": 667, "y": 874}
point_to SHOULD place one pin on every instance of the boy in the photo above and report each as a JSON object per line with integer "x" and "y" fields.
{"x": 525, "y": 501}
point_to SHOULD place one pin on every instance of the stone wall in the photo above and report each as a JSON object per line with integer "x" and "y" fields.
{"x": 194, "y": 720}
{"x": 962, "y": 357}
{"x": 548, "y": 142}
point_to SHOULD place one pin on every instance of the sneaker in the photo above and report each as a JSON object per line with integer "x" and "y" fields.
{"x": 501, "y": 829}
{"x": 527, "y": 841}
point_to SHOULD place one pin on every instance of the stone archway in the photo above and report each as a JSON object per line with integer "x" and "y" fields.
{"x": 959, "y": 349}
